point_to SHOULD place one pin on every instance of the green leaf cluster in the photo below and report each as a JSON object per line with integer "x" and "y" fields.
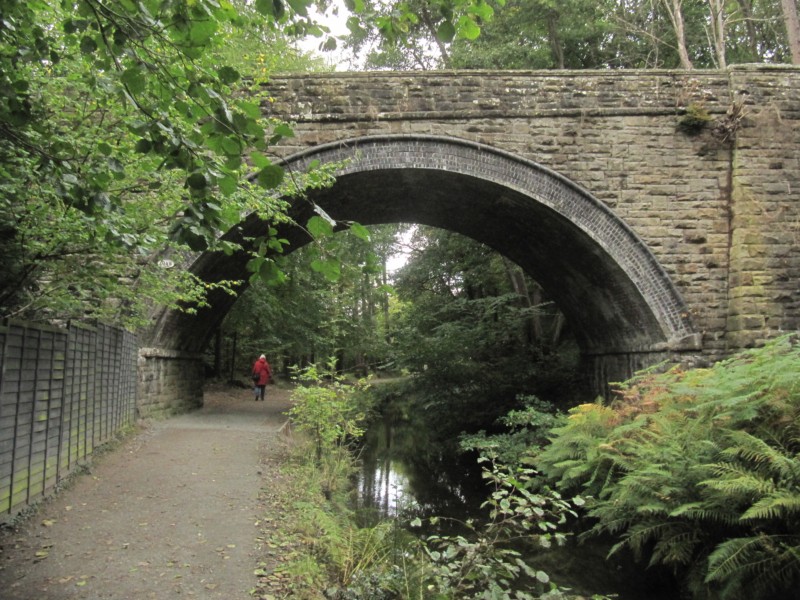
{"x": 566, "y": 34}
{"x": 698, "y": 471}
{"x": 475, "y": 333}
{"x": 122, "y": 146}
{"x": 329, "y": 410}
{"x": 486, "y": 561}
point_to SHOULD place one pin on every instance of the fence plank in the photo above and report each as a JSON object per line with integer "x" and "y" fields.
{"x": 62, "y": 394}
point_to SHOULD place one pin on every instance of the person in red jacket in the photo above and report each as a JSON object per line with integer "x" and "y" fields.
{"x": 262, "y": 373}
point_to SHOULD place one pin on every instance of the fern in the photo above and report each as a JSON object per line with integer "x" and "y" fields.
{"x": 780, "y": 505}
{"x": 739, "y": 482}
{"x": 699, "y": 470}
{"x": 759, "y": 566}
{"x": 677, "y": 548}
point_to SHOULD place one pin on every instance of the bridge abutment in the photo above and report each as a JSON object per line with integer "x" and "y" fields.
{"x": 169, "y": 382}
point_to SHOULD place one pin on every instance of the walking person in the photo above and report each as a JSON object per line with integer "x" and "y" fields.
{"x": 262, "y": 373}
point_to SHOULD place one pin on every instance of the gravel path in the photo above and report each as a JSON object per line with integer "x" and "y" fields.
{"x": 173, "y": 511}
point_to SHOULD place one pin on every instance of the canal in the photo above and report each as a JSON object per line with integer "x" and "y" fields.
{"x": 406, "y": 473}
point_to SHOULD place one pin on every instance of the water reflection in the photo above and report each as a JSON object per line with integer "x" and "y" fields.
{"x": 404, "y": 473}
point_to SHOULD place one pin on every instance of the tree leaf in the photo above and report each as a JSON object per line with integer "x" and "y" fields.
{"x": 329, "y": 268}
{"x": 88, "y": 45}
{"x": 360, "y": 231}
{"x": 228, "y": 75}
{"x": 197, "y": 181}
{"x": 467, "y": 28}
{"x": 228, "y": 184}
{"x": 134, "y": 80}
{"x": 251, "y": 109}
{"x": 446, "y": 32}
{"x": 270, "y": 177}
{"x": 319, "y": 227}
{"x": 300, "y": 6}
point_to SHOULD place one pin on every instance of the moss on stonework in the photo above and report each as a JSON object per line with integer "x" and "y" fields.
{"x": 695, "y": 119}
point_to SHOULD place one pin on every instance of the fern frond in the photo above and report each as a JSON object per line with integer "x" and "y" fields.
{"x": 676, "y": 549}
{"x": 746, "y": 484}
{"x": 735, "y": 557}
{"x": 760, "y": 454}
{"x": 611, "y": 526}
{"x": 706, "y": 512}
{"x": 641, "y": 534}
{"x": 762, "y": 567}
{"x": 779, "y": 505}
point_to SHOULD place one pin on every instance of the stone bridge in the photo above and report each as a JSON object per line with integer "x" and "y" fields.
{"x": 660, "y": 209}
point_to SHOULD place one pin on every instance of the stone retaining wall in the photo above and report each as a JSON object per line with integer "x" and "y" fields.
{"x": 170, "y": 382}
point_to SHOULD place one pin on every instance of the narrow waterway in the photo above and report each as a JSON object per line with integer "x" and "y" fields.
{"x": 405, "y": 474}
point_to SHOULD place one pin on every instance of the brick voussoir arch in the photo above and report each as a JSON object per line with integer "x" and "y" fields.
{"x": 519, "y": 181}
{"x": 614, "y": 293}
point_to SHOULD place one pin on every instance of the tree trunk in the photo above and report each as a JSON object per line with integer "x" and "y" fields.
{"x": 218, "y": 353}
{"x": 675, "y": 10}
{"x": 792, "y": 28}
{"x": 385, "y": 299}
{"x": 752, "y": 33}
{"x": 233, "y": 358}
{"x": 717, "y": 14}
{"x": 556, "y": 49}
{"x": 558, "y": 327}
{"x": 426, "y": 18}
{"x": 517, "y": 278}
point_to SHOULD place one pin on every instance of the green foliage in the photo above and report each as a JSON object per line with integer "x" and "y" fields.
{"x": 123, "y": 145}
{"x": 402, "y": 34}
{"x": 565, "y": 34}
{"x": 475, "y": 333}
{"x": 698, "y": 471}
{"x": 305, "y": 316}
{"x": 695, "y": 119}
{"x": 525, "y": 430}
{"x": 330, "y": 411}
{"x": 487, "y": 561}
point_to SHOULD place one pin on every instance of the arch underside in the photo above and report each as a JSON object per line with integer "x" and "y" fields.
{"x": 611, "y": 289}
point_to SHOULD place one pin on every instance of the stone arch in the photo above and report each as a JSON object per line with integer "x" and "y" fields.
{"x": 617, "y": 297}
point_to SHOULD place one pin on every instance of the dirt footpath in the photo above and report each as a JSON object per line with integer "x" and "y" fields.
{"x": 172, "y": 512}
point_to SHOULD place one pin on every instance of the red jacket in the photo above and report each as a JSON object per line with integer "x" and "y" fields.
{"x": 263, "y": 370}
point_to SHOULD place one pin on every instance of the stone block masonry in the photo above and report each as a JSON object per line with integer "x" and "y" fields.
{"x": 719, "y": 207}
{"x": 170, "y": 382}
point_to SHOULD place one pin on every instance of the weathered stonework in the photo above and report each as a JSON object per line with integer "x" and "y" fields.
{"x": 169, "y": 382}
{"x": 721, "y": 217}
{"x": 656, "y": 241}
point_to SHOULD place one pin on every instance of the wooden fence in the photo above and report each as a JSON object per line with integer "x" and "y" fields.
{"x": 63, "y": 392}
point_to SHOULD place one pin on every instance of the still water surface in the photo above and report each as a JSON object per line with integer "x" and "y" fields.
{"x": 405, "y": 474}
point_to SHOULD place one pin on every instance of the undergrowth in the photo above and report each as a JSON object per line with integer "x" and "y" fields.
{"x": 332, "y": 557}
{"x": 696, "y": 470}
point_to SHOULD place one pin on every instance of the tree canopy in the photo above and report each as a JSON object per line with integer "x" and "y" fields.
{"x": 577, "y": 34}
{"x": 124, "y": 142}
